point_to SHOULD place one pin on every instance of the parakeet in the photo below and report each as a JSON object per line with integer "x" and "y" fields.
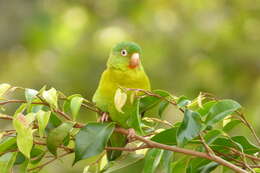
{"x": 124, "y": 70}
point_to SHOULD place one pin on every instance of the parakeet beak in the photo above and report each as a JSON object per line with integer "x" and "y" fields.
{"x": 135, "y": 60}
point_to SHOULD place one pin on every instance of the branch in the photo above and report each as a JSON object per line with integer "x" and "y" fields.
{"x": 244, "y": 120}
{"x": 207, "y": 148}
{"x": 46, "y": 163}
{"x": 63, "y": 114}
{"x": 214, "y": 158}
{"x": 128, "y": 149}
{"x": 154, "y": 95}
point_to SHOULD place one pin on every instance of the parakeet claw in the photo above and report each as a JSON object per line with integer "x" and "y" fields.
{"x": 104, "y": 117}
{"x": 131, "y": 134}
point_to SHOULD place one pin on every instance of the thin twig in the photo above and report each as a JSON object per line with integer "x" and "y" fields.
{"x": 249, "y": 126}
{"x": 46, "y": 163}
{"x": 149, "y": 93}
{"x": 208, "y": 149}
{"x": 67, "y": 117}
{"x": 214, "y": 158}
{"x": 128, "y": 149}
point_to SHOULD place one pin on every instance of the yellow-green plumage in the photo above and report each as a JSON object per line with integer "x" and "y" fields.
{"x": 110, "y": 81}
{"x": 125, "y": 71}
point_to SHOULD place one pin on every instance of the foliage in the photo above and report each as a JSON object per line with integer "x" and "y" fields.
{"x": 52, "y": 128}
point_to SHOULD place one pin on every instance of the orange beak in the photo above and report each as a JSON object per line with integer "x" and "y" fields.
{"x": 134, "y": 61}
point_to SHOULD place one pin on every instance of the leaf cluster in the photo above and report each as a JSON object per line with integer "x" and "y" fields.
{"x": 46, "y": 123}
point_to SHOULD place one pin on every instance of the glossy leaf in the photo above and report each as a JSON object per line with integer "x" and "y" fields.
{"x": 248, "y": 147}
{"x": 37, "y": 154}
{"x": 183, "y": 101}
{"x": 3, "y": 88}
{"x": 25, "y": 141}
{"x": 199, "y": 165}
{"x": 92, "y": 139}
{"x": 6, "y": 162}
{"x": 152, "y": 160}
{"x": 127, "y": 164}
{"x": 120, "y": 100}
{"x": 20, "y": 158}
{"x": 229, "y": 126}
{"x": 24, "y": 131}
{"x": 149, "y": 102}
{"x": 165, "y": 163}
{"x": 43, "y": 119}
{"x": 54, "y": 122}
{"x": 179, "y": 166}
{"x": 134, "y": 120}
{"x": 220, "y": 110}
{"x": 162, "y": 107}
{"x": 204, "y": 110}
{"x": 7, "y": 143}
{"x": 56, "y": 136}
{"x": 189, "y": 128}
{"x": 167, "y": 137}
{"x": 222, "y": 144}
{"x": 212, "y": 135}
{"x": 30, "y": 94}
{"x": 51, "y": 97}
{"x": 75, "y": 104}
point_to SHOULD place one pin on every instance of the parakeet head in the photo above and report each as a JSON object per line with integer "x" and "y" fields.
{"x": 125, "y": 56}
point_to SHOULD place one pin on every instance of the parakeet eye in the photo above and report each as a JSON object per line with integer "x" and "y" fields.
{"x": 123, "y": 52}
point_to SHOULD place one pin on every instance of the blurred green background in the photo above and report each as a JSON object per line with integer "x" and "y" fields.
{"x": 188, "y": 46}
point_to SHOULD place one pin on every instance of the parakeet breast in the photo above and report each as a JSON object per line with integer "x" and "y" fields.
{"x": 110, "y": 81}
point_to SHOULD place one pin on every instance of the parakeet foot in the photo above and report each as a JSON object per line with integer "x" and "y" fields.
{"x": 131, "y": 134}
{"x": 104, "y": 117}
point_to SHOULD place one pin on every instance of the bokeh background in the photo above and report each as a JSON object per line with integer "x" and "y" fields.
{"x": 188, "y": 46}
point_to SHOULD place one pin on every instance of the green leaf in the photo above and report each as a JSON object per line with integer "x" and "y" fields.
{"x": 51, "y": 97}
{"x": 134, "y": 120}
{"x": 56, "y": 137}
{"x": 149, "y": 102}
{"x": 54, "y": 122}
{"x": 7, "y": 143}
{"x": 37, "y": 154}
{"x": 43, "y": 119}
{"x": 120, "y": 100}
{"x": 92, "y": 139}
{"x": 209, "y": 138}
{"x": 220, "y": 110}
{"x": 162, "y": 107}
{"x": 6, "y": 162}
{"x": 206, "y": 107}
{"x": 199, "y": 165}
{"x": 152, "y": 160}
{"x": 183, "y": 101}
{"x": 25, "y": 141}
{"x": 229, "y": 126}
{"x": 167, "y": 137}
{"x": 222, "y": 144}
{"x": 165, "y": 164}
{"x": 126, "y": 164}
{"x": 75, "y": 106}
{"x": 189, "y": 128}
{"x": 20, "y": 158}
{"x": 179, "y": 166}
{"x": 24, "y": 131}
{"x": 3, "y": 88}
{"x": 30, "y": 94}
{"x": 248, "y": 147}
{"x": 212, "y": 135}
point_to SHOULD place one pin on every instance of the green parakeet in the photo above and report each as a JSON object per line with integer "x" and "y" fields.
{"x": 124, "y": 70}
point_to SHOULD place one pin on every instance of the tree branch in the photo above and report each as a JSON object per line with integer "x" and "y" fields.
{"x": 46, "y": 163}
{"x": 214, "y": 158}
